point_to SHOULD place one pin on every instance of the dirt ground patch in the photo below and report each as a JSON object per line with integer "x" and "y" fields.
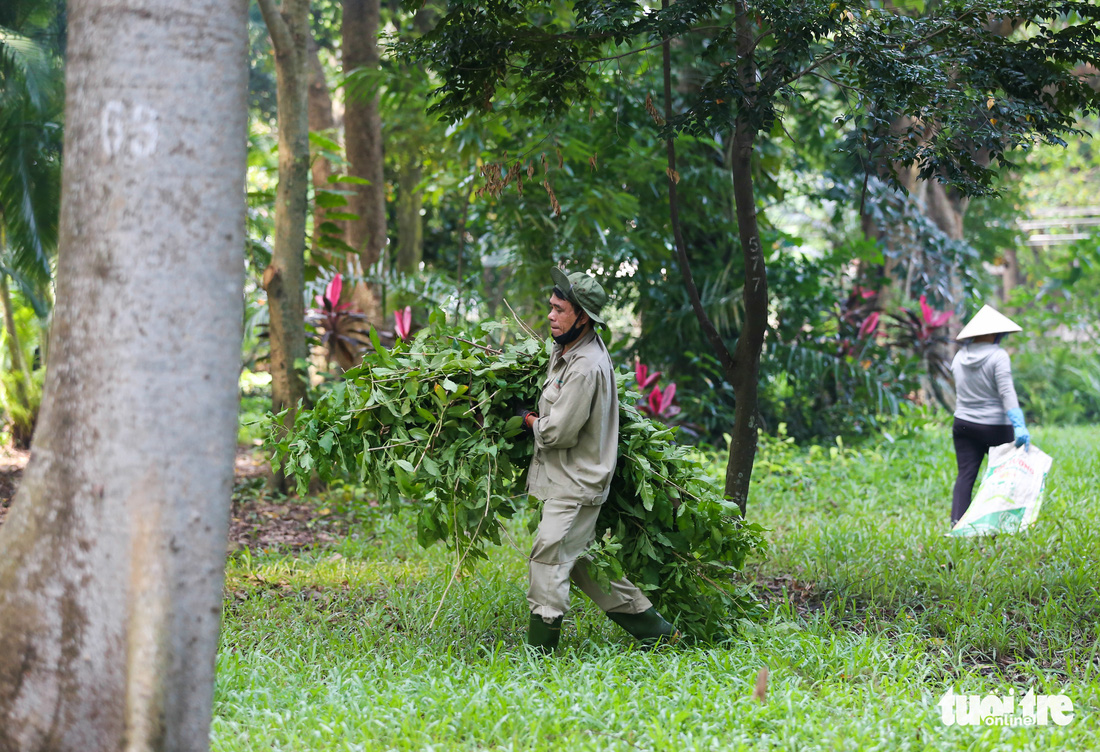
{"x": 256, "y": 521}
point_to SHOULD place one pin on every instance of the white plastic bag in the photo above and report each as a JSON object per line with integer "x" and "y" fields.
{"x": 1011, "y": 492}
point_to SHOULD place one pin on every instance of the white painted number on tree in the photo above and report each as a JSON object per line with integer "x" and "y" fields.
{"x": 129, "y": 129}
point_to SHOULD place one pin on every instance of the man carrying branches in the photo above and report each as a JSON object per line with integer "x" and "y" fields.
{"x": 576, "y": 435}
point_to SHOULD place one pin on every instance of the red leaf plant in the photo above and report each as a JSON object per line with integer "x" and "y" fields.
{"x": 330, "y": 299}
{"x": 402, "y": 322}
{"x": 660, "y": 402}
{"x": 869, "y": 325}
{"x": 933, "y": 318}
{"x": 642, "y": 375}
{"x": 340, "y": 326}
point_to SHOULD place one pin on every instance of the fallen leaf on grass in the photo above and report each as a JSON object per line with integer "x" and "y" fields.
{"x": 760, "y": 691}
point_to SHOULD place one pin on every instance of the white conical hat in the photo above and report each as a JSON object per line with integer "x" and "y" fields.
{"x": 988, "y": 321}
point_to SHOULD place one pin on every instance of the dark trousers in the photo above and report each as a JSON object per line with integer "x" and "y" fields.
{"x": 972, "y": 442}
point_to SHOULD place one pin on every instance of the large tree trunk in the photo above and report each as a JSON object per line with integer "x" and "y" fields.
{"x": 363, "y": 139}
{"x": 112, "y": 557}
{"x": 284, "y": 279}
{"x": 947, "y": 210}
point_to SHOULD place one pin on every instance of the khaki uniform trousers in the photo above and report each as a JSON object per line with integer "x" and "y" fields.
{"x": 565, "y": 532}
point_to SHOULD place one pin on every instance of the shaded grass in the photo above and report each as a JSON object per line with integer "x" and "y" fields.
{"x": 874, "y": 615}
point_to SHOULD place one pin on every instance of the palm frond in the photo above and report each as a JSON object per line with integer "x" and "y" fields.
{"x": 25, "y": 67}
{"x": 30, "y": 186}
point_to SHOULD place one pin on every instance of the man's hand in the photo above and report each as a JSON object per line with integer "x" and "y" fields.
{"x": 527, "y": 416}
{"x": 516, "y": 406}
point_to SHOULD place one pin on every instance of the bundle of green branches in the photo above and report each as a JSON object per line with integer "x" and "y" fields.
{"x": 427, "y": 427}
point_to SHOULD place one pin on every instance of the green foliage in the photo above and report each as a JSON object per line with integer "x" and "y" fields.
{"x": 820, "y": 374}
{"x": 988, "y": 92}
{"x": 428, "y": 428}
{"x": 1055, "y": 360}
{"x": 822, "y": 391}
{"x": 255, "y": 404}
{"x": 31, "y": 103}
{"x": 21, "y": 385}
{"x": 923, "y": 256}
{"x": 21, "y": 398}
{"x": 1058, "y": 382}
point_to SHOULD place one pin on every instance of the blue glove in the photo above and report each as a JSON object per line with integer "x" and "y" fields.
{"x": 1023, "y": 438}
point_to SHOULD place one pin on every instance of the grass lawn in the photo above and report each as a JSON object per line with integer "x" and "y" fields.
{"x": 369, "y": 643}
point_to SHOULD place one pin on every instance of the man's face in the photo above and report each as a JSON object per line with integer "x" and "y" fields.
{"x": 562, "y": 316}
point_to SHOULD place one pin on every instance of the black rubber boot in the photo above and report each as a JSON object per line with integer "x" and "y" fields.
{"x": 648, "y": 627}
{"x": 542, "y": 636}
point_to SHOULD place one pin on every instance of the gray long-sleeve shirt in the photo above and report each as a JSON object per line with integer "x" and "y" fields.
{"x": 577, "y": 432}
{"x": 983, "y": 384}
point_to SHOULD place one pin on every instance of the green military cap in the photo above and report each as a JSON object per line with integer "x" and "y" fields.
{"x": 583, "y": 290}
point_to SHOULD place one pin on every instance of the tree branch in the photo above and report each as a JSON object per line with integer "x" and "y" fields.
{"x": 705, "y": 323}
{"x": 833, "y": 55}
{"x": 277, "y": 27}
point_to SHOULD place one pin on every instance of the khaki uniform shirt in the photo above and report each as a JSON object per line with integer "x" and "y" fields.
{"x": 577, "y": 432}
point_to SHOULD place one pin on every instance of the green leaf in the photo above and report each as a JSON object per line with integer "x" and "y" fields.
{"x": 350, "y": 179}
{"x": 330, "y": 199}
{"x": 324, "y": 143}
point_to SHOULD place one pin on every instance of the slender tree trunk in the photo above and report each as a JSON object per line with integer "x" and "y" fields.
{"x": 284, "y": 278}
{"x": 22, "y": 428}
{"x": 112, "y": 556}
{"x": 461, "y": 250}
{"x": 15, "y": 349}
{"x": 751, "y": 340}
{"x": 321, "y": 120}
{"x": 410, "y": 196}
{"x": 363, "y": 137}
{"x": 742, "y": 368}
{"x": 410, "y": 227}
{"x": 1011, "y": 279}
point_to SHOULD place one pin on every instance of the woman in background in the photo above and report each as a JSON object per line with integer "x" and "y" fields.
{"x": 987, "y": 412}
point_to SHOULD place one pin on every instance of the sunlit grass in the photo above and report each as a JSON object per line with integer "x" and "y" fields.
{"x": 875, "y": 615}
